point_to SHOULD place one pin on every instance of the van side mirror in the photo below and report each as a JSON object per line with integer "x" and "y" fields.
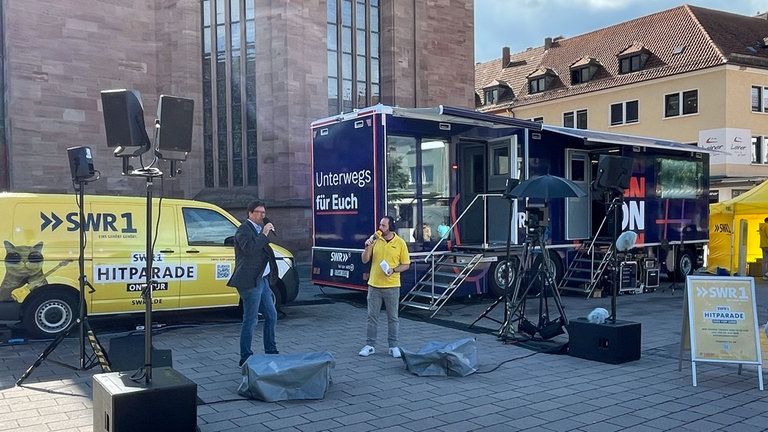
{"x": 229, "y": 241}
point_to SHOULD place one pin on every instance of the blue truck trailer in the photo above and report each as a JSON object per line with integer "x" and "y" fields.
{"x": 442, "y": 173}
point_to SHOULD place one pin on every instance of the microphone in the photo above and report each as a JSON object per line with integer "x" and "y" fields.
{"x": 266, "y": 221}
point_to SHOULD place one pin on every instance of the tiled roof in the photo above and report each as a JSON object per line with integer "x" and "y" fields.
{"x": 679, "y": 40}
{"x": 519, "y": 66}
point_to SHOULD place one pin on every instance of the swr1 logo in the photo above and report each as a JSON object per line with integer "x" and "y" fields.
{"x": 92, "y": 222}
{"x": 722, "y": 228}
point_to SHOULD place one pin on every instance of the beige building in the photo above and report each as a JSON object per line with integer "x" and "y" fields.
{"x": 258, "y": 71}
{"x": 688, "y": 74}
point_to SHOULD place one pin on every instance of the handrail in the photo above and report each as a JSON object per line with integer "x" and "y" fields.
{"x": 450, "y": 229}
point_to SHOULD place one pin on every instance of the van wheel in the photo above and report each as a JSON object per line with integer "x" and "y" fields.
{"x": 50, "y": 313}
{"x": 277, "y": 298}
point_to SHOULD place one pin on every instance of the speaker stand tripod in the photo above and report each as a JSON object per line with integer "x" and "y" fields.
{"x": 515, "y": 306}
{"x": 98, "y": 356}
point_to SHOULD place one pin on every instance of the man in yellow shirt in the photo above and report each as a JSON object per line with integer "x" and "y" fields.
{"x": 388, "y": 255}
{"x": 764, "y": 246}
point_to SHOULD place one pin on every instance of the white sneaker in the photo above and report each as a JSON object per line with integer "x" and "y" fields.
{"x": 367, "y": 350}
{"x": 395, "y": 352}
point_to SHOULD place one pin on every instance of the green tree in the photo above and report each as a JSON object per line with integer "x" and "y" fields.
{"x": 397, "y": 176}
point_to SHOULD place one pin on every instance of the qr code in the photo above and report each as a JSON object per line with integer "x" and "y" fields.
{"x": 223, "y": 271}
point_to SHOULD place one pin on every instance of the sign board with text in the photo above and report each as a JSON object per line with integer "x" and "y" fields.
{"x": 721, "y": 317}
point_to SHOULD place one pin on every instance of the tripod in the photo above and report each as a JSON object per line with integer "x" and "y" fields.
{"x": 537, "y": 271}
{"x": 507, "y": 269}
{"x": 98, "y": 356}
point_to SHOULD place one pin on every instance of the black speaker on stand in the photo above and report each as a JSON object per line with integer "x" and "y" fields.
{"x": 613, "y": 341}
{"x": 152, "y": 398}
{"x": 81, "y": 163}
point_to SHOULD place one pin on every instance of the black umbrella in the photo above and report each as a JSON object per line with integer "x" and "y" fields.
{"x": 547, "y": 186}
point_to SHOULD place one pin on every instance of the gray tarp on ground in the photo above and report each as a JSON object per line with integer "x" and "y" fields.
{"x": 458, "y": 358}
{"x": 276, "y": 377}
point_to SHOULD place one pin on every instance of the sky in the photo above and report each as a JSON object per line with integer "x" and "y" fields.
{"x": 521, "y": 24}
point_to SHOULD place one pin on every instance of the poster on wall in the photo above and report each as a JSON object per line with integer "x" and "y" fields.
{"x": 721, "y": 319}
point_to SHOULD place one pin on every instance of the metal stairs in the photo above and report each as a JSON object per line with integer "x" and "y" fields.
{"x": 445, "y": 275}
{"x": 587, "y": 267}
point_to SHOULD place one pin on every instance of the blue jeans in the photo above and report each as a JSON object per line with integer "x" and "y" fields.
{"x": 255, "y": 300}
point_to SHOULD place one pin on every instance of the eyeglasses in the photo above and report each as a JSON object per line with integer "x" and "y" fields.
{"x": 259, "y": 211}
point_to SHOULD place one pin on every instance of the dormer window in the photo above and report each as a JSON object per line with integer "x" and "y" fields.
{"x": 537, "y": 85}
{"x": 540, "y": 80}
{"x": 496, "y": 91}
{"x": 583, "y": 70}
{"x": 580, "y": 75}
{"x": 492, "y": 96}
{"x": 633, "y": 58}
{"x": 629, "y": 64}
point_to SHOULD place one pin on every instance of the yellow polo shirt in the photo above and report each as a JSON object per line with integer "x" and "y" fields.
{"x": 394, "y": 252}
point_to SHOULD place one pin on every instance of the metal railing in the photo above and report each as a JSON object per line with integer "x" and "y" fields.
{"x": 484, "y": 197}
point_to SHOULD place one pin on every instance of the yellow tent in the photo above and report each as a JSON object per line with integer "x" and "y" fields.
{"x": 725, "y": 228}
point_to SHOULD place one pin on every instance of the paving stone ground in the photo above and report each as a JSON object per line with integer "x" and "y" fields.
{"x": 515, "y": 388}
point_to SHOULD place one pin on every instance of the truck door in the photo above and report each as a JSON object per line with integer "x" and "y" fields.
{"x": 472, "y": 174}
{"x": 578, "y": 211}
{"x": 483, "y": 170}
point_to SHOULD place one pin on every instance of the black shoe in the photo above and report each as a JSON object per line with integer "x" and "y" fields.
{"x": 272, "y": 352}
{"x": 242, "y": 362}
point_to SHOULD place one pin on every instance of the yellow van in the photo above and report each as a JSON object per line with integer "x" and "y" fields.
{"x": 192, "y": 258}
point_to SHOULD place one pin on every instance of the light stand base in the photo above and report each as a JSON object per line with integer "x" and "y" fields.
{"x": 168, "y": 403}
{"x": 610, "y": 342}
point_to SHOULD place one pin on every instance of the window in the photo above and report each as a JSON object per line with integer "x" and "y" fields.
{"x": 427, "y": 174}
{"x": 575, "y": 119}
{"x": 759, "y": 150}
{"x": 624, "y": 112}
{"x": 538, "y": 119}
{"x": 207, "y": 227}
{"x": 537, "y": 85}
{"x": 679, "y": 178}
{"x": 492, "y": 96}
{"x": 581, "y": 75}
{"x": 631, "y": 63}
{"x": 759, "y": 99}
{"x": 353, "y": 54}
{"x": 229, "y": 93}
{"x": 683, "y": 103}
{"x": 406, "y": 181}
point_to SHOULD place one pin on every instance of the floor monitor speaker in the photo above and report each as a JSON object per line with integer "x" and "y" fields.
{"x": 168, "y": 403}
{"x": 614, "y": 343}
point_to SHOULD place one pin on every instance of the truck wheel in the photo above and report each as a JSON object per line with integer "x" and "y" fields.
{"x": 50, "y": 313}
{"x": 557, "y": 266}
{"x": 684, "y": 266}
{"x": 498, "y": 275}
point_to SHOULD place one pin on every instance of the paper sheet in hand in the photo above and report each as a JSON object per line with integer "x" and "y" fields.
{"x": 384, "y": 266}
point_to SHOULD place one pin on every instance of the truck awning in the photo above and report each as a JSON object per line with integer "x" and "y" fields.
{"x": 621, "y": 139}
{"x": 449, "y": 114}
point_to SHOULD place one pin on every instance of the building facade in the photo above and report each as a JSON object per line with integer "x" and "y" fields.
{"x": 687, "y": 74}
{"x": 259, "y": 72}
